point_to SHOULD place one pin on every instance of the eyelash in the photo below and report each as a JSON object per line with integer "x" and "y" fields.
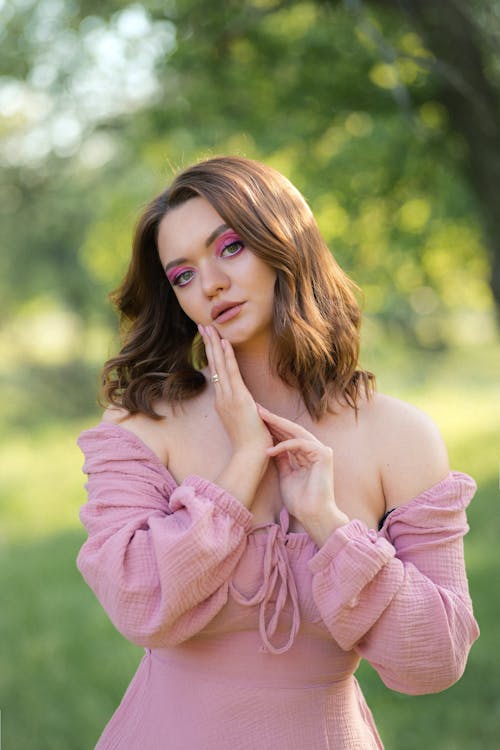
{"x": 232, "y": 243}
{"x": 176, "y": 282}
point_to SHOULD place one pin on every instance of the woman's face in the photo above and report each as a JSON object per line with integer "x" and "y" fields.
{"x": 216, "y": 279}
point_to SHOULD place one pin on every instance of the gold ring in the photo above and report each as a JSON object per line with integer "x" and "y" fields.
{"x": 215, "y": 378}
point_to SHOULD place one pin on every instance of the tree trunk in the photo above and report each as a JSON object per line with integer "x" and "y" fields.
{"x": 472, "y": 101}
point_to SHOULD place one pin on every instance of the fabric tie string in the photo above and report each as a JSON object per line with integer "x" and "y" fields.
{"x": 277, "y": 578}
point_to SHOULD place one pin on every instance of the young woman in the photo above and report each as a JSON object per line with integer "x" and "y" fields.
{"x": 259, "y": 517}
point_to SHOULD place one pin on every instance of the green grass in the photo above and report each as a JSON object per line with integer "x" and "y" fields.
{"x": 64, "y": 668}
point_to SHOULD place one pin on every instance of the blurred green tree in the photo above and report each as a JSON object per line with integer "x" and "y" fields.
{"x": 464, "y": 39}
{"x": 383, "y": 114}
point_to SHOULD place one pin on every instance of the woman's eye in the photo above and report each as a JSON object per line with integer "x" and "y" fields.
{"x": 183, "y": 278}
{"x": 233, "y": 248}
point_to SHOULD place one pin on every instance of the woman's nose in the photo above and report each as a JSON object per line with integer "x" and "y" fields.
{"x": 213, "y": 279}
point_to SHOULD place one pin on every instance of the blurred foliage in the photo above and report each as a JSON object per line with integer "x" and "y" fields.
{"x": 101, "y": 102}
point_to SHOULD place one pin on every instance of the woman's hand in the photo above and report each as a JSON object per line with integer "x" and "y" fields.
{"x": 305, "y": 469}
{"x": 238, "y": 413}
{"x": 233, "y": 401}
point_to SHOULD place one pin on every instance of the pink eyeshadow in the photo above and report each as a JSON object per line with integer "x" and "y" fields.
{"x": 174, "y": 272}
{"x": 226, "y": 239}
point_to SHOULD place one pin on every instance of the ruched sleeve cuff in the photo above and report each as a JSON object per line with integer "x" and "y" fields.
{"x": 350, "y": 562}
{"x": 221, "y": 499}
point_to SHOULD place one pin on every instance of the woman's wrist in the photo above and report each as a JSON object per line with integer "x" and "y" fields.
{"x": 243, "y": 473}
{"x": 323, "y": 525}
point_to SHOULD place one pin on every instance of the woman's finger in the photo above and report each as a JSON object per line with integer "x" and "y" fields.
{"x": 279, "y": 435}
{"x": 285, "y": 426}
{"x": 215, "y": 359}
{"x": 208, "y": 348}
{"x": 295, "y": 445}
{"x": 232, "y": 369}
{"x": 217, "y": 353}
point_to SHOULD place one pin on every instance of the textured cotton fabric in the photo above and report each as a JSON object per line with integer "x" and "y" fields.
{"x": 251, "y": 633}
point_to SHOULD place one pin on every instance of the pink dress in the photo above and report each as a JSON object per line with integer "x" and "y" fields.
{"x": 252, "y": 638}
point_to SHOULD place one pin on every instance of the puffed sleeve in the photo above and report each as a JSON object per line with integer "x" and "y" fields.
{"x": 158, "y": 556}
{"x": 400, "y": 596}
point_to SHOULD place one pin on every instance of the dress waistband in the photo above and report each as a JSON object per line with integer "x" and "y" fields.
{"x": 314, "y": 662}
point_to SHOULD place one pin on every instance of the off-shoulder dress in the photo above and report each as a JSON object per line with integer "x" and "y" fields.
{"x": 251, "y": 633}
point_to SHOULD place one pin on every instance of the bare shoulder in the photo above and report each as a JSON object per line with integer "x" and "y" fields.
{"x": 152, "y": 432}
{"x": 115, "y": 415}
{"x": 412, "y": 455}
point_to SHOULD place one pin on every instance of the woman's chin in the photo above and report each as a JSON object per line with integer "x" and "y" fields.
{"x": 234, "y": 334}
{"x": 243, "y": 336}
{"x": 239, "y": 342}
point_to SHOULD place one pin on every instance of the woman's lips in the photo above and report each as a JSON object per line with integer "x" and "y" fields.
{"x": 228, "y": 314}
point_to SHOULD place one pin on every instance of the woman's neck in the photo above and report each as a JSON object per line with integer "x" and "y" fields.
{"x": 266, "y": 387}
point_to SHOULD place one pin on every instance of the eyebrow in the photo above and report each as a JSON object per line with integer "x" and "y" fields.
{"x": 211, "y": 237}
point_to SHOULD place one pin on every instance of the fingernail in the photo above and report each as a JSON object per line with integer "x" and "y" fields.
{"x": 201, "y": 329}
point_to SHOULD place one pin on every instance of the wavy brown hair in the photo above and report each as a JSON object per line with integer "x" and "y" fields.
{"x": 316, "y": 316}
